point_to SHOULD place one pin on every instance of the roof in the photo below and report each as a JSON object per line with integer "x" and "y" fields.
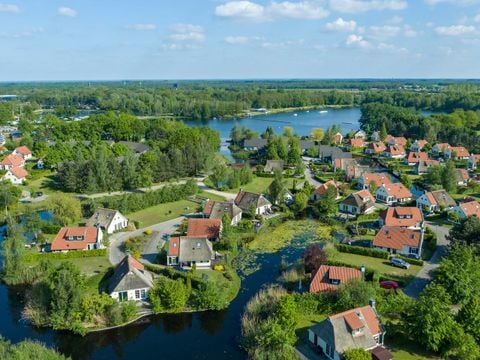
{"x": 379, "y": 179}
{"x": 245, "y": 200}
{"x": 394, "y": 237}
{"x": 357, "y": 142}
{"x": 415, "y": 157}
{"x": 12, "y": 160}
{"x": 322, "y": 279}
{"x": 398, "y": 190}
{"x": 442, "y": 146}
{"x": 273, "y": 165}
{"x": 255, "y": 143}
{"x": 306, "y": 144}
{"x": 217, "y": 209}
{"x": 470, "y": 208}
{"x": 402, "y": 216}
{"x": 396, "y": 150}
{"x": 360, "y": 199}
{"x": 463, "y": 175}
{"x": 322, "y": 189}
{"x": 23, "y": 150}
{"x": 102, "y": 217}
{"x": 89, "y": 234}
{"x": 425, "y": 164}
{"x": 400, "y": 140}
{"x": 135, "y": 146}
{"x": 442, "y": 197}
{"x": 460, "y": 151}
{"x": 333, "y": 152}
{"x": 174, "y": 246}
{"x": 209, "y": 228}
{"x": 129, "y": 274}
{"x": 420, "y": 143}
{"x": 380, "y": 353}
{"x": 377, "y": 147}
{"x": 337, "y": 329}
{"x": 19, "y": 172}
{"x": 195, "y": 249}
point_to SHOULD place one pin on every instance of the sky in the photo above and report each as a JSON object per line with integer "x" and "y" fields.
{"x": 219, "y": 39}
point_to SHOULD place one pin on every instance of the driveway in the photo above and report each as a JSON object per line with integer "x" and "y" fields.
{"x": 309, "y": 176}
{"x": 425, "y": 275}
{"x": 150, "y": 250}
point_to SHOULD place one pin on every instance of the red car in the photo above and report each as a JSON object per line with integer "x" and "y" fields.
{"x": 389, "y": 284}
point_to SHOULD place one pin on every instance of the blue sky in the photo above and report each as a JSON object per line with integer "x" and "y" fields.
{"x": 218, "y": 39}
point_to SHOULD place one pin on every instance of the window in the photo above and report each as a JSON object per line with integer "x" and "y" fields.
{"x": 413, "y": 250}
{"x": 143, "y": 293}
{"x": 123, "y": 296}
{"x": 137, "y": 294}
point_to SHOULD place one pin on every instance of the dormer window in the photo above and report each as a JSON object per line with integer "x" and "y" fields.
{"x": 335, "y": 281}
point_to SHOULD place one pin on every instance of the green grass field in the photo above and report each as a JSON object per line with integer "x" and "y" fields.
{"x": 261, "y": 184}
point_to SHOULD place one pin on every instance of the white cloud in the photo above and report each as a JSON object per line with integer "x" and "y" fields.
{"x": 187, "y": 32}
{"x": 341, "y": 25}
{"x": 142, "y": 27}
{"x": 9, "y": 8}
{"x": 408, "y": 31}
{"x": 390, "y": 48}
{"x": 282, "y": 44}
{"x": 385, "y": 31}
{"x": 354, "y": 40}
{"x": 236, "y": 40}
{"x": 357, "y": 6}
{"x": 453, "y": 2}
{"x": 66, "y": 11}
{"x": 454, "y": 30}
{"x": 309, "y": 10}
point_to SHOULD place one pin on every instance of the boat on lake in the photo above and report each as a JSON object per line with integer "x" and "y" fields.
{"x": 323, "y": 111}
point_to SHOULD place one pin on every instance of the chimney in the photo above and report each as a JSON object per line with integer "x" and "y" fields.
{"x": 371, "y": 302}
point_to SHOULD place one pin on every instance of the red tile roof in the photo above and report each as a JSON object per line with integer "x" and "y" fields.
{"x": 415, "y": 157}
{"x": 463, "y": 174}
{"x": 421, "y": 143}
{"x": 400, "y": 140}
{"x": 135, "y": 263}
{"x": 356, "y": 142}
{"x": 209, "y": 228}
{"x": 174, "y": 246}
{"x": 471, "y": 208}
{"x": 442, "y": 146}
{"x": 325, "y": 273}
{"x": 322, "y": 189}
{"x": 379, "y": 179}
{"x": 353, "y": 321}
{"x": 60, "y": 242}
{"x": 396, "y": 150}
{"x": 207, "y": 210}
{"x": 394, "y": 237}
{"x": 19, "y": 172}
{"x": 398, "y": 190}
{"x": 365, "y": 194}
{"x": 23, "y": 150}
{"x": 460, "y": 151}
{"x": 369, "y": 317}
{"x": 12, "y": 160}
{"x": 377, "y": 147}
{"x": 402, "y": 216}
{"x": 388, "y": 138}
{"x": 431, "y": 198}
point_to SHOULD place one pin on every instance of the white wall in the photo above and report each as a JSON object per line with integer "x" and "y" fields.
{"x": 131, "y": 295}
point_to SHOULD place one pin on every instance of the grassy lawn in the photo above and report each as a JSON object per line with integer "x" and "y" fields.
{"x": 232, "y": 286}
{"x": 379, "y": 265}
{"x": 261, "y": 184}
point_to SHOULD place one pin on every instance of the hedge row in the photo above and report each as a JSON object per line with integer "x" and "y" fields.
{"x": 68, "y": 255}
{"x": 410, "y": 260}
{"x": 362, "y": 251}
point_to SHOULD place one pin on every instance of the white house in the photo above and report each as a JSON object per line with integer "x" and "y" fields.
{"x": 418, "y": 145}
{"x": 360, "y": 134}
{"x": 12, "y": 160}
{"x": 217, "y": 210}
{"x": 16, "y": 175}
{"x": 434, "y": 201}
{"x": 361, "y": 202}
{"x": 187, "y": 251}
{"x": 109, "y": 220}
{"x": 248, "y": 202}
{"x": 399, "y": 240}
{"x": 24, "y": 152}
{"x": 393, "y": 194}
{"x": 130, "y": 281}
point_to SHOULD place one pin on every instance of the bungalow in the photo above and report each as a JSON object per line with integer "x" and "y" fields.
{"x": 466, "y": 209}
{"x": 423, "y": 165}
{"x": 368, "y": 179}
{"x": 321, "y": 191}
{"x": 188, "y": 251}
{"x": 434, "y": 201}
{"x": 218, "y": 209}
{"x": 337, "y": 138}
{"x": 393, "y": 194}
{"x": 457, "y": 153}
{"x": 462, "y": 177}
{"x": 418, "y": 145}
{"x": 415, "y": 157}
{"x": 395, "y": 152}
{"x": 342, "y": 164}
{"x": 274, "y": 165}
{"x": 207, "y": 228}
{"x": 375, "y": 148}
{"x": 16, "y": 175}
{"x": 439, "y": 148}
{"x": 249, "y": 201}
{"x": 130, "y": 281}
{"x": 361, "y": 202}
{"x": 78, "y": 238}
{"x": 397, "y": 140}
{"x": 328, "y": 278}
{"x": 473, "y": 161}
{"x": 405, "y": 217}
{"x": 360, "y": 134}
{"x": 329, "y": 154}
{"x": 24, "y": 152}
{"x": 12, "y": 160}
{"x": 355, "y": 171}
{"x": 254, "y": 144}
{"x": 136, "y": 147}
{"x": 108, "y": 220}
{"x": 355, "y": 143}
{"x": 399, "y": 240}
{"x": 358, "y": 328}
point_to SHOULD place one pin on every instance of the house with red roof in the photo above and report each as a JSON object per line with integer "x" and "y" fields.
{"x": 415, "y": 157}
{"x": 78, "y": 238}
{"x": 395, "y": 193}
{"x": 463, "y": 177}
{"x": 395, "y": 152}
{"x": 321, "y": 191}
{"x": 456, "y": 152}
{"x": 12, "y": 160}
{"x": 399, "y": 240}
{"x": 467, "y": 209}
{"x": 355, "y": 143}
{"x": 435, "y": 201}
{"x": 407, "y": 217}
{"x": 328, "y": 278}
{"x": 358, "y": 328}
{"x": 423, "y": 165}
{"x": 418, "y": 145}
{"x": 473, "y": 161}
{"x": 375, "y": 148}
{"x": 16, "y": 175}
{"x": 361, "y": 202}
{"x": 208, "y": 228}
{"x": 396, "y": 140}
{"x": 24, "y": 152}
{"x": 368, "y": 178}
{"x": 130, "y": 281}
{"x": 439, "y": 148}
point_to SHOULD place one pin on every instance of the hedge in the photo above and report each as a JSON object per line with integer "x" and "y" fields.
{"x": 410, "y": 260}
{"x": 65, "y": 255}
{"x": 362, "y": 251}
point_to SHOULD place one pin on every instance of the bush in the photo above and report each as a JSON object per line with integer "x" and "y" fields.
{"x": 362, "y": 251}
{"x": 418, "y": 262}
{"x": 33, "y": 257}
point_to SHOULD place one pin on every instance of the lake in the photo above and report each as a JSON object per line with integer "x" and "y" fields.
{"x": 204, "y": 335}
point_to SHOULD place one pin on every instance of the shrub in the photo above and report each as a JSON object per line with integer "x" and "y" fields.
{"x": 362, "y": 251}
{"x": 62, "y": 255}
{"x": 418, "y": 262}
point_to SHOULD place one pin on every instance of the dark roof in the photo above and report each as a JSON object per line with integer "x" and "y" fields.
{"x": 380, "y": 353}
{"x": 327, "y": 151}
{"x": 443, "y": 198}
{"x": 195, "y": 249}
{"x": 246, "y": 200}
{"x": 273, "y": 165}
{"x": 306, "y": 144}
{"x": 102, "y": 217}
{"x": 255, "y": 143}
{"x": 129, "y": 275}
{"x": 216, "y": 209}
{"x": 136, "y": 147}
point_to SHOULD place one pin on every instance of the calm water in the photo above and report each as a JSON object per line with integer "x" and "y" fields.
{"x": 302, "y": 124}
{"x": 207, "y": 335}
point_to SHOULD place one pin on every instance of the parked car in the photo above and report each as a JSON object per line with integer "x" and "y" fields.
{"x": 389, "y": 284}
{"x": 397, "y": 262}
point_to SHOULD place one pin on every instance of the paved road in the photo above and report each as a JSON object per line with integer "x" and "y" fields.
{"x": 150, "y": 249}
{"x": 309, "y": 174}
{"x": 425, "y": 276}
{"x": 226, "y": 195}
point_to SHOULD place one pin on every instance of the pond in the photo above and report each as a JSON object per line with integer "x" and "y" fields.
{"x": 204, "y": 335}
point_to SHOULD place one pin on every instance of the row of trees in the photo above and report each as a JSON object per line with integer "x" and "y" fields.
{"x": 27, "y": 350}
